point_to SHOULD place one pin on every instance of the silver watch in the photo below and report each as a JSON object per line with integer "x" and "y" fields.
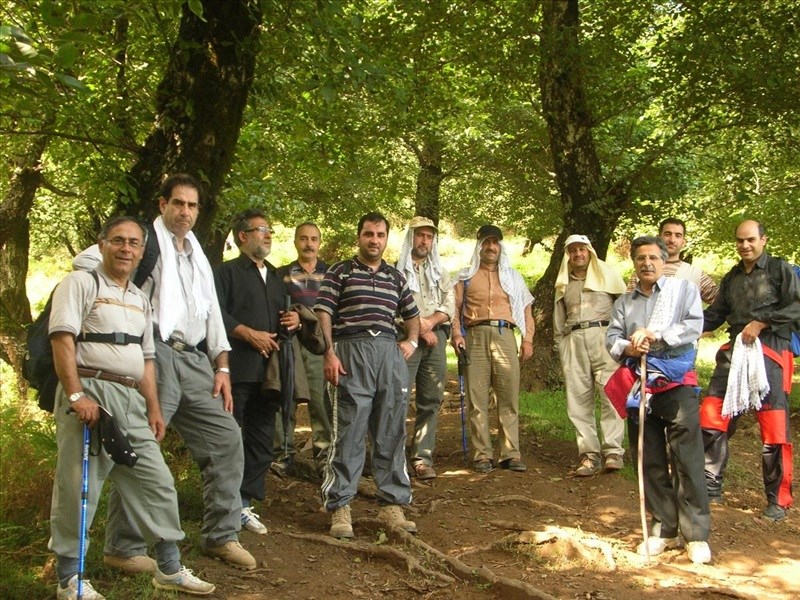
{"x": 76, "y": 396}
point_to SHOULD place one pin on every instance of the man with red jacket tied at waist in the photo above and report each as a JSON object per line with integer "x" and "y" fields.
{"x": 760, "y": 299}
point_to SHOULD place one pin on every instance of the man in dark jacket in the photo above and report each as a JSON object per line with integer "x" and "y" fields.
{"x": 252, "y": 298}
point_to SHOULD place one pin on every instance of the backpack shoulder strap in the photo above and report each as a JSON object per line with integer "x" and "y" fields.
{"x": 149, "y": 258}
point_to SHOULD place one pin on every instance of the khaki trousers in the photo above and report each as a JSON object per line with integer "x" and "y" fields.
{"x": 588, "y": 365}
{"x": 494, "y": 363}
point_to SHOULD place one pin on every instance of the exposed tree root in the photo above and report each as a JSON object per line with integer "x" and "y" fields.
{"x": 380, "y": 551}
{"x": 586, "y": 546}
{"x": 512, "y": 538}
{"x": 530, "y": 502}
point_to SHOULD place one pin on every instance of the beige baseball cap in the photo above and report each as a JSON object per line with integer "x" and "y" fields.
{"x": 419, "y": 221}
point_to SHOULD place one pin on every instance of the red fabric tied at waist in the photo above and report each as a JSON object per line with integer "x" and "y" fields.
{"x": 619, "y": 386}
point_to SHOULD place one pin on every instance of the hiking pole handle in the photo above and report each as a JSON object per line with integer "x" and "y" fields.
{"x": 463, "y": 357}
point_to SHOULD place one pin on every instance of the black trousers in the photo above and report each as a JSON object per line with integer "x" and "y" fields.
{"x": 679, "y": 506}
{"x": 254, "y": 411}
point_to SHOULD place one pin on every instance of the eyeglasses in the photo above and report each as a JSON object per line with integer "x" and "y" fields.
{"x": 261, "y": 229}
{"x": 119, "y": 242}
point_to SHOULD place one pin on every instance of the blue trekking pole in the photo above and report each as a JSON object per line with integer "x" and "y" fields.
{"x": 84, "y": 500}
{"x": 463, "y": 362}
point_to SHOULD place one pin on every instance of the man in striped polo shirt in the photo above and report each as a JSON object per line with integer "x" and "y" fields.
{"x": 366, "y": 367}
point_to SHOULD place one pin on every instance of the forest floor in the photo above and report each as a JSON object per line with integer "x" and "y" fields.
{"x": 537, "y": 534}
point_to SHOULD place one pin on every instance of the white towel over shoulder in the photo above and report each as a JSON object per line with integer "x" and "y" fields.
{"x": 747, "y": 379}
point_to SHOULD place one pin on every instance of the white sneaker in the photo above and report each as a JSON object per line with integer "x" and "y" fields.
{"x": 183, "y": 581}
{"x": 657, "y": 545}
{"x": 71, "y": 591}
{"x": 699, "y": 552}
{"x": 251, "y": 523}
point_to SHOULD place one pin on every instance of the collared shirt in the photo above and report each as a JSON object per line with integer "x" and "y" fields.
{"x": 433, "y": 297}
{"x": 684, "y": 270}
{"x": 303, "y": 285}
{"x": 632, "y": 311}
{"x": 366, "y": 300}
{"x": 486, "y": 301}
{"x": 189, "y": 328}
{"x": 245, "y": 298}
{"x": 585, "y": 305}
{"x": 80, "y": 305}
{"x": 757, "y": 295}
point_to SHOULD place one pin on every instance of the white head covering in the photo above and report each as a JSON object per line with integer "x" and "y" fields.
{"x": 432, "y": 265}
{"x": 599, "y": 276}
{"x": 511, "y": 281}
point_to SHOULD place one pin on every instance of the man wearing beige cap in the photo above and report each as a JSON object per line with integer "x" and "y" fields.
{"x": 492, "y": 301}
{"x": 430, "y": 286}
{"x": 586, "y": 288}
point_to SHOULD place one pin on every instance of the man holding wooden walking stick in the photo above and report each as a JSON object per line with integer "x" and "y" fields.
{"x": 662, "y": 320}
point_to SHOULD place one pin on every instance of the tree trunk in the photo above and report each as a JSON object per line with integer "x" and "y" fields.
{"x": 199, "y": 107}
{"x": 591, "y": 206}
{"x": 15, "y": 311}
{"x": 429, "y": 180}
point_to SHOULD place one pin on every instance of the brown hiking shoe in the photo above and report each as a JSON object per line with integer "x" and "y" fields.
{"x": 131, "y": 565}
{"x": 589, "y": 465}
{"x": 233, "y": 554}
{"x": 392, "y": 515}
{"x": 341, "y": 523}
{"x": 423, "y": 471}
{"x": 613, "y": 462}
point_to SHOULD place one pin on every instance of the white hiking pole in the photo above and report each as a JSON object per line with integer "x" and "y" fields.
{"x": 640, "y": 453}
{"x": 84, "y": 500}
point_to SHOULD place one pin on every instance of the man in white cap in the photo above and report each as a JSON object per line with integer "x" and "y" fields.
{"x": 491, "y": 301}
{"x": 430, "y": 286}
{"x": 586, "y": 288}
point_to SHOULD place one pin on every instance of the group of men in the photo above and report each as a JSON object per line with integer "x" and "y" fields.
{"x": 207, "y": 351}
{"x": 606, "y": 335}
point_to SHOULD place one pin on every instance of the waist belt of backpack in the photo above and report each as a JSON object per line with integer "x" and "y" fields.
{"x": 117, "y": 338}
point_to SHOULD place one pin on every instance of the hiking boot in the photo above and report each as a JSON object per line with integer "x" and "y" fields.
{"x": 483, "y": 465}
{"x": 71, "y": 591}
{"x": 250, "y": 521}
{"x": 613, "y": 462}
{"x": 282, "y": 468}
{"x": 657, "y": 545}
{"x": 774, "y": 513}
{"x": 714, "y": 499}
{"x": 392, "y": 515}
{"x": 513, "y": 464}
{"x": 233, "y": 554}
{"x": 589, "y": 465}
{"x": 131, "y": 565}
{"x": 341, "y": 523}
{"x": 699, "y": 552}
{"x": 423, "y": 471}
{"x": 183, "y": 581}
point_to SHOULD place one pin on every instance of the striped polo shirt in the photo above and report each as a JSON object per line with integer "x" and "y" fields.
{"x": 365, "y": 299}
{"x": 303, "y": 286}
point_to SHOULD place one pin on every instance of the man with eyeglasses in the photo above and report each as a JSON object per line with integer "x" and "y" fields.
{"x": 195, "y": 399}
{"x": 103, "y": 349}
{"x": 252, "y": 298}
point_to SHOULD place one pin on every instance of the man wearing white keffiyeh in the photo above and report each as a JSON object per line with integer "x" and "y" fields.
{"x": 194, "y": 399}
{"x": 430, "y": 286}
{"x": 491, "y": 301}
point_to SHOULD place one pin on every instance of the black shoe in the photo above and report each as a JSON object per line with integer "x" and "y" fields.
{"x": 774, "y": 513}
{"x": 483, "y": 466}
{"x": 513, "y": 464}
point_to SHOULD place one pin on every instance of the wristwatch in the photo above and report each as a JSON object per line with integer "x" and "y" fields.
{"x": 413, "y": 343}
{"x": 76, "y": 396}
{"x": 222, "y": 370}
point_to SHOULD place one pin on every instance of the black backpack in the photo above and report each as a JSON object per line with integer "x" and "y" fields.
{"x": 39, "y": 368}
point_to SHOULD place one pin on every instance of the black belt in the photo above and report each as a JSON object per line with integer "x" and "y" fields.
{"x": 589, "y": 324}
{"x": 180, "y": 345}
{"x": 106, "y": 376}
{"x": 117, "y": 338}
{"x": 500, "y": 323}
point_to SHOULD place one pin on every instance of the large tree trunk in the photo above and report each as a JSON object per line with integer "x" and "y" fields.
{"x": 429, "y": 179}
{"x": 199, "y": 107}
{"x": 15, "y": 312}
{"x": 591, "y": 207}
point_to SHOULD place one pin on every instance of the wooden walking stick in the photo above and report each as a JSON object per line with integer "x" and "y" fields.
{"x": 640, "y": 453}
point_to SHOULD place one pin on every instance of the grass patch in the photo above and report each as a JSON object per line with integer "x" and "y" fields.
{"x": 545, "y": 414}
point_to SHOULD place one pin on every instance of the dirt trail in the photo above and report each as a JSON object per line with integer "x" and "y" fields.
{"x": 478, "y": 523}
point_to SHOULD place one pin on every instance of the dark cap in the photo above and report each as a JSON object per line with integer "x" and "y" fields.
{"x": 490, "y": 231}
